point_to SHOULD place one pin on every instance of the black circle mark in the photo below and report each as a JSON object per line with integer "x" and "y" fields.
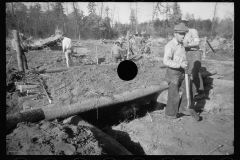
{"x": 127, "y": 70}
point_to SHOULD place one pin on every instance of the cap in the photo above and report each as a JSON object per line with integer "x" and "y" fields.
{"x": 180, "y": 28}
{"x": 184, "y": 19}
{"x": 117, "y": 41}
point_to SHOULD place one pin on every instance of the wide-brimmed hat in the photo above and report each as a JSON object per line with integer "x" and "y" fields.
{"x": 184, "y": 19}
{"x": 117, "y": 41}
{"x": 180, "y": 28}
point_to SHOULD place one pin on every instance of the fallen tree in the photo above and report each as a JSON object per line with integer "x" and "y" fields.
{"x": 109, "y": 144}
{"x": 43, "y": 43}
{"x": 50, "y": 112}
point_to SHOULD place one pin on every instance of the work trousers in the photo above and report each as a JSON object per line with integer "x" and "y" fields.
{"x": 194, "y": 65}
{"x": 120, "y": 56}
{"x": 68, "y": 58}
{"x": 176, "y": 81}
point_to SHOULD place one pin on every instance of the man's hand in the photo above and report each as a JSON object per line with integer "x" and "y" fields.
{"x": 185, "y": 45}
{"x": 184, "y": 65}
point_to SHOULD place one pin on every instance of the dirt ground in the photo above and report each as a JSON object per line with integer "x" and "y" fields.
{"x": 146, "y": 132}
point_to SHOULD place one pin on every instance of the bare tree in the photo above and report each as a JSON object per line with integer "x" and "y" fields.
{"x": 215, "y": 9}
{"x": 136, "y": 17}
{"x": 112, "y": 15}
{"x": 231, "y": 15}
{"x": 75, "y": 11}
{"x": 107, "y": 11}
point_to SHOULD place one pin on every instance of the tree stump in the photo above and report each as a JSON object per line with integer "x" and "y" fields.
{"x": 21, "y": 58}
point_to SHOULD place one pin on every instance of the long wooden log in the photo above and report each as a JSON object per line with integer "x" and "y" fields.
{"x": 109, "y": 144}
{"x": 54, "y": 70}
{"x": 50, "y": 113}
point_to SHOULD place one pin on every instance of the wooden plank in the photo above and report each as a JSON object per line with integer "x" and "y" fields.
{"x": 96, "y": 55}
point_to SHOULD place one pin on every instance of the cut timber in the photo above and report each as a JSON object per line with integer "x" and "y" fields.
{"x": 50, "y": 113}
{"x": 23, "y": 88}
{"x": 110, "y": 145}
{"x": 54, "y": 70}
{"x": 49, "y": 100}
{"x": 22, "y": 99}
{"x": 30, "y": 104}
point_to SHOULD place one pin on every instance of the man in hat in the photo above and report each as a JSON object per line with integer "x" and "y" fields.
{"x": 191, "y": 43}
{"x": 175, "y": 60}
{"x": 67, "y": 49}
{"x": 117, "y": 53}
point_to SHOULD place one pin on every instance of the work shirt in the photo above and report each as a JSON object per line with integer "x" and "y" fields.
{"x": 117, "y": 50}
{"x": 66, "y": 44}
{"x": 174, "y": 54}
{"x": 191, "y": 35}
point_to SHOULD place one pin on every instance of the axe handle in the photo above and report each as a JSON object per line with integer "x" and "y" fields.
{"x": 163, "y": 66}
{"x": 192, "y": 112}
{"x": 187, "y": 87}
{"x": 210, "y": 46}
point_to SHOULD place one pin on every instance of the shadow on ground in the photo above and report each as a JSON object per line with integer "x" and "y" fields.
{"x": 56, "y": 48}
{"x": 124, "y": 139}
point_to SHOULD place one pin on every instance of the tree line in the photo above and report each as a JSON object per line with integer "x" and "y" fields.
{"x": 41, "y": 21}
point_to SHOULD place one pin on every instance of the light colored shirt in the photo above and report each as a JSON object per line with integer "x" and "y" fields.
{"x": 191, "y": 35}
{"x": 117, "y": 50}
{"x": 66, "y": 44}
{"x": 174, "y": 54}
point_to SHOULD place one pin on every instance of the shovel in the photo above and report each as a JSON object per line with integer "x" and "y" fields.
{"x": 191, "y": 111}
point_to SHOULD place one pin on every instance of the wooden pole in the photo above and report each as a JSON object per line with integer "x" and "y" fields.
{"x": 19, "y": 50}
{"x": 210, "y": 46}
{"x": 127, "y": 45}
{"x": 204, "y": 49}
{"x": 96, "y": 55}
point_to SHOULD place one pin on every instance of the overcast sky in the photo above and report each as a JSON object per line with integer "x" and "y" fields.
{"x": 203, "y": 10}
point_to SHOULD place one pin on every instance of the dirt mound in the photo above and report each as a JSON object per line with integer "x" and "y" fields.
{"x": 49, "y": 138}
{"x": 12, "y": 75}
{"x": 88, "y": 81}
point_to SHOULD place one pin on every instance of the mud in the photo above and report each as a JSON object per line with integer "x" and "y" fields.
{"x": 52, "y": 138}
